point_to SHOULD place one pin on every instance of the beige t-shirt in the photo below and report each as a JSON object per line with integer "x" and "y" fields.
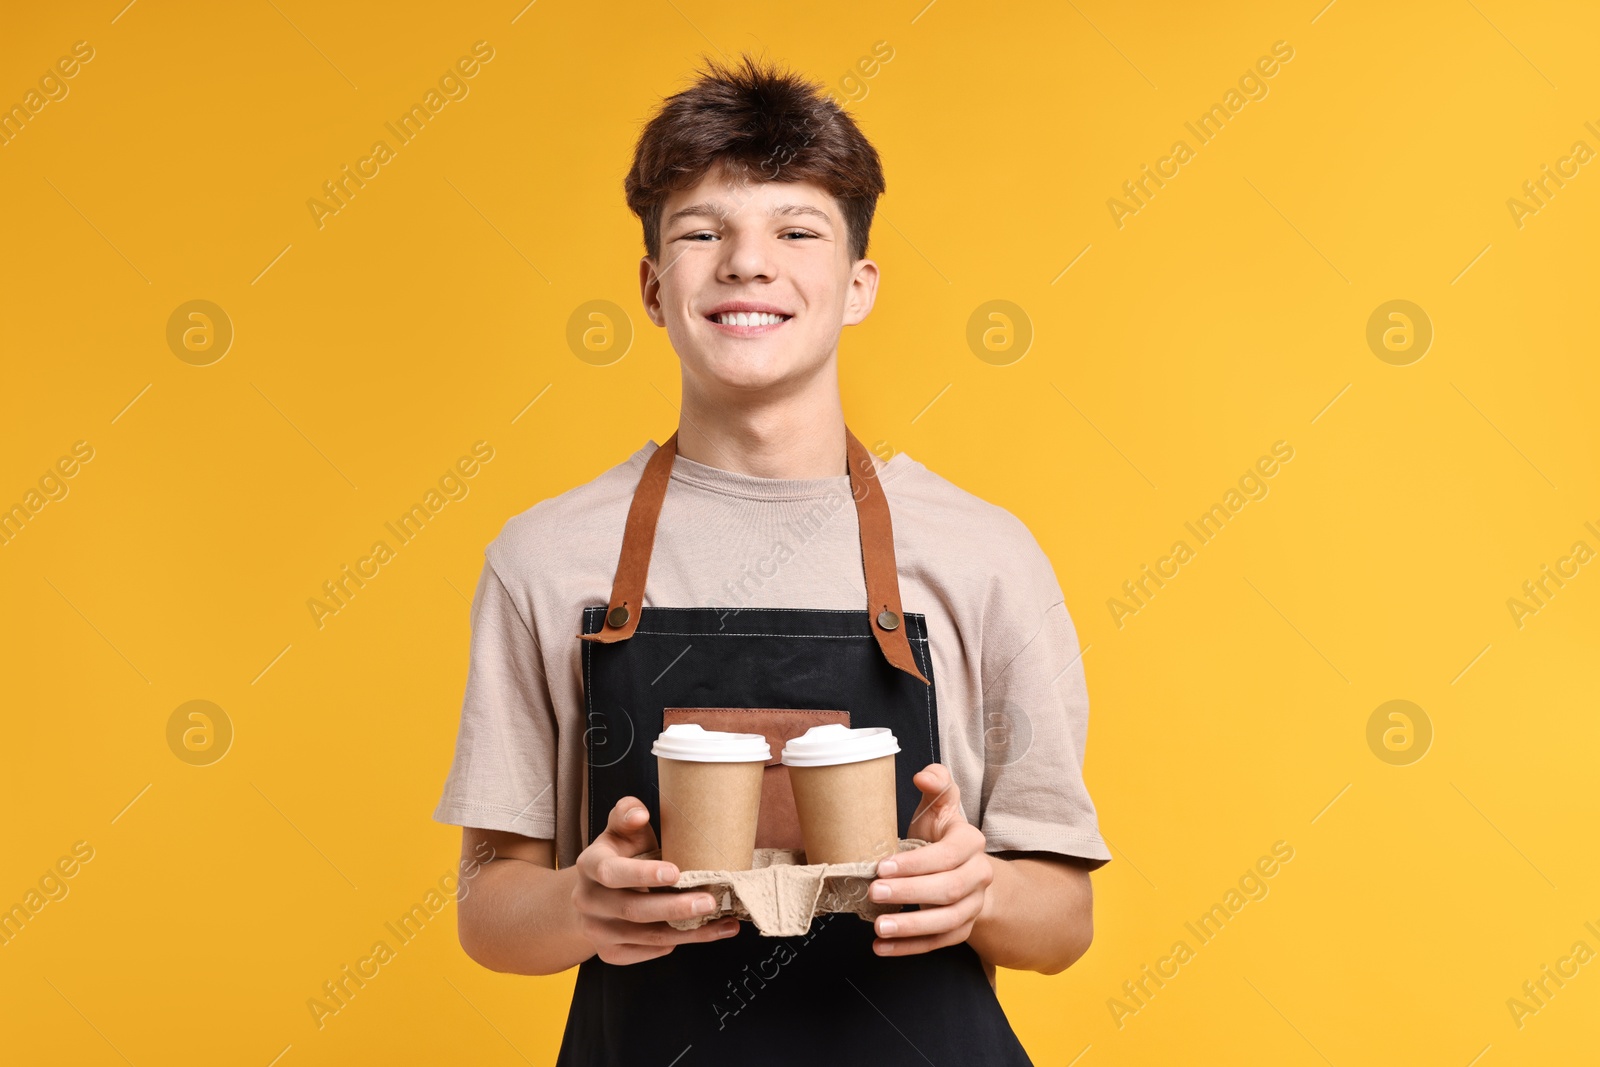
{"x": 1012, "y": 707}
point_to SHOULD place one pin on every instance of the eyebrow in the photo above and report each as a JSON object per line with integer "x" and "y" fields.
{"x": 707, "y": 209}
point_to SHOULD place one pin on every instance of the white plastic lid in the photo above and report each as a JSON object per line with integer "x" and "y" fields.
{"x": 691, "y": 741}
{"x": 834, "y": 742}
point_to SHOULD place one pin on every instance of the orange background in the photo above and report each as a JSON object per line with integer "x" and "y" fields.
{"x": 1165, "y": 356}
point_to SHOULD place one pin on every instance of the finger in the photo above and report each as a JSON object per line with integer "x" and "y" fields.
{"x": 941, "y": 855}
{"x": 622, "y": 932}
{"x": 610, "y": 861}
{"x": 629, "y": 823}
{"x": 938, "y": 786}
{"x": 912, "y": 945}
{"x": 625, "y": 955}
{"x": 660, "y": 942}
{"x": 944, "y": 853}
{"x": 669, "y": 935}
{"x": 634, "y": 907}
{"x": 940, "y": 804}
{"x": 942, "y": 887}
{"x": 928, "y": 922}
{"x": 611, "y": 871}
{"x": 622, "y": 953}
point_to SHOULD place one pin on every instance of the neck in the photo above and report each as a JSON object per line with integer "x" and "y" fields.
{"x": 800, "y": 435}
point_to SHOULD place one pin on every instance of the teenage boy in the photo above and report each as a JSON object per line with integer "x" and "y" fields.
{"x": 775, "y": 582}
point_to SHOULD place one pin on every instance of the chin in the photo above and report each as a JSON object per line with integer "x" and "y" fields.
{"x": 742, "y": 379}
{"x": 740, "y": 367}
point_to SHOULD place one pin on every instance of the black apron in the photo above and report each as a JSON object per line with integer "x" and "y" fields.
{"x": 741, "y": 1000}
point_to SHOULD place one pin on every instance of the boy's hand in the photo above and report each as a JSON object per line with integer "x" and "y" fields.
{"x": 949, "y": 877}
{"x": 616, "y": 910}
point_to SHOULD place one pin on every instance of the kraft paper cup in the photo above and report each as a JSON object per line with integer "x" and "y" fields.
{"x": 710, "y": 796}
{"x": 843, "y": 784}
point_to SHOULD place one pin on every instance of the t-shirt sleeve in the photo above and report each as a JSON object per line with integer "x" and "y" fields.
{"x": 1036, "y": 724}
{"x": 504, "y": 773}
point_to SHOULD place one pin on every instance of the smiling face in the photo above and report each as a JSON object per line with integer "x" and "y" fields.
{"x": 754, "y": 283}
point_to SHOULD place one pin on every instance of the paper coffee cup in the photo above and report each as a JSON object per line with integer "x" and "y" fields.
{"x": 844, "y": 793}
{"x": 710, "y": 796}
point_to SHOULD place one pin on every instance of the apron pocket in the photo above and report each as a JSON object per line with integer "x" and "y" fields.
{"x": 778, "y": 824}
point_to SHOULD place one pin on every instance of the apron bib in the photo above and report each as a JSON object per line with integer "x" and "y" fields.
{"x": 824, "y": 996}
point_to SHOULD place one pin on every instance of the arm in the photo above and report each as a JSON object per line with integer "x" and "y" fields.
{"x": 524, "y": 917}
{"x": 516, "y": 915}
{"x": 1037, "y": 915}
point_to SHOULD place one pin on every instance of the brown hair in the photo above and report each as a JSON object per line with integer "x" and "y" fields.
{"x": 763, "y": 124}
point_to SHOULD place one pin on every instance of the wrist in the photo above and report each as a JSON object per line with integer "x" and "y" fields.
{"x": 992, "y": 906}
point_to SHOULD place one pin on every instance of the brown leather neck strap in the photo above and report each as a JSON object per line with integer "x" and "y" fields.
{"x": 877, "y": 553}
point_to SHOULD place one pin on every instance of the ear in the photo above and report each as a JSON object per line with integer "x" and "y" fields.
{"x": 650, "y": 290}
{"x": 863, "y": 292}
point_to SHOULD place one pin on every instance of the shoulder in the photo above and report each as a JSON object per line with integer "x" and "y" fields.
{"x": 939, "y": 519}
{"x": 550, "y": 535}
{"x": 975, "y": 569}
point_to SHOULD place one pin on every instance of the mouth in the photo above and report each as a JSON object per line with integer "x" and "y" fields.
{"x": 747, "y": 323}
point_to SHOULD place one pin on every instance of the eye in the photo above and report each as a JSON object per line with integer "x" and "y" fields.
{"x": 798, "y": 233}
{"x": 696, "y": 235}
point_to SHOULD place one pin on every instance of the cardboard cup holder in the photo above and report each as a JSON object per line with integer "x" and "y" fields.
{"x": 781, "y": 893}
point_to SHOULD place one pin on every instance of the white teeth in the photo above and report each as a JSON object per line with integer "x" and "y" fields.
{"x": 748, "y": 318}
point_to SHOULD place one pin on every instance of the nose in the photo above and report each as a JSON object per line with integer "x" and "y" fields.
{"x": 746, "y": 256}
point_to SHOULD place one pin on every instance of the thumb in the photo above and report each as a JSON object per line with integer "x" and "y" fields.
{"x": 629, "y": 825}
{"x": 940, "y": 804}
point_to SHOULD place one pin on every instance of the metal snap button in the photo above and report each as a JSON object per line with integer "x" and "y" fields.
{"x": 618, "y": 616}
{"x": 888, "y": 619}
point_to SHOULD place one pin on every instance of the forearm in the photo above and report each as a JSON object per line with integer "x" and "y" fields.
{"x": 518, "y": 918}
{"x": 1038, "y": 915}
